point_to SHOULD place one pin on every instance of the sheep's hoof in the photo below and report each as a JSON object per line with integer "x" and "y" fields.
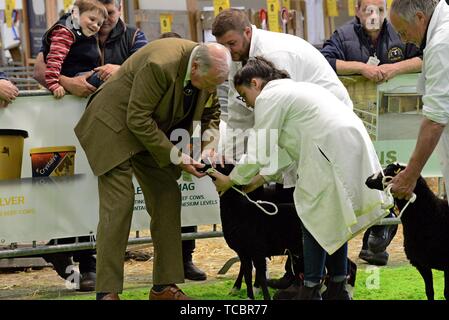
{"x": 234, "y": 291}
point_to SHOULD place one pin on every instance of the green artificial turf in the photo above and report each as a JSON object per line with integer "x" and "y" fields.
{"x": 372, "y": 283}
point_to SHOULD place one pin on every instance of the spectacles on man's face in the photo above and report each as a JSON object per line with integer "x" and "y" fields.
{"x": 241, "y": 99}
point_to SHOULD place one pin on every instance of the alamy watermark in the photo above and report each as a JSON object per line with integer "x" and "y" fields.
{"x": 373, "y": 280}
{"x": 250, "y": 146}
{"x": 74, "y": 278}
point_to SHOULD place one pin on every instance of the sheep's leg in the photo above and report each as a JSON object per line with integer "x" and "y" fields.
{"x": 426, "y": 274}
{"x": 256, "y": 287}
{"x": 247, "y": 266}
{"x": 446, "y": 284}
{"x": 238, "y": 282}
{"x": 261, "y": 276}
{"x": 256, "y": 283}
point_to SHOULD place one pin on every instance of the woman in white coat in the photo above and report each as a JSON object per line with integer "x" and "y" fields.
{"x": 334, "y": 155}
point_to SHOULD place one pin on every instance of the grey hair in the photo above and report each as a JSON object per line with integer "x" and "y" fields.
{"x": 206, "y": 59}
{"x": 359, "y": 3}
{"x": 407, "y": 9}
{"x": 117, "y": 3}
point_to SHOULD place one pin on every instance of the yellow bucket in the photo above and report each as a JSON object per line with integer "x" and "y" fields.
{"x": 11, "y": 151}
{"x": 53, "y": 161}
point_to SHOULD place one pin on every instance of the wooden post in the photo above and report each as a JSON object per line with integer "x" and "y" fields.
{"x": 192, "y": 8}
{"x": 51, "y": 12}
{"x": 2, "y": 52}
{"x": 26, "y": 27}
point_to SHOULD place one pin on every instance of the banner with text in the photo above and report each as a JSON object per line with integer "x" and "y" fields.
{"x": 63, "y": 204}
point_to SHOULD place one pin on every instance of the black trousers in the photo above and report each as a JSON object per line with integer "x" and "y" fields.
{"x": 85, "y": 258}
{"x": 375, "y": 229}
{"x": 188, "y": 246}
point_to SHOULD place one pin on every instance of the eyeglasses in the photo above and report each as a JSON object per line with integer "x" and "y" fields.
{"x": 241, "y": 99}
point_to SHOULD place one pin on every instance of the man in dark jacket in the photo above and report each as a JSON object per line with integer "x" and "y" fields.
{"x": 368, "y": 45}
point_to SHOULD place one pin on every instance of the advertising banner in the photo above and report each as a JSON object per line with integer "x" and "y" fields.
{"x": 47, "y": 189}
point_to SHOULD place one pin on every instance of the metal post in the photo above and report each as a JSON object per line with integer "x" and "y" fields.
{"x": 44, "y": 249}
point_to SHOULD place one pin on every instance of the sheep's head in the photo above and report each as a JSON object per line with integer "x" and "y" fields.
{"x": 376, "y": 180}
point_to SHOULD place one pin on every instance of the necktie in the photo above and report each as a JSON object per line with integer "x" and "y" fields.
{"x": 189, "y": 92}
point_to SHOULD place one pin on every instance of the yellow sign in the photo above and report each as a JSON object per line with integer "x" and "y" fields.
{"x": 286, "y": 4}
{"x": 332, "y": 8}
{"x": 221, "y": 5}
{"x": 67, "y": 5}
{"x": 165, "y": 20}
{"x": 273, "y": 15}
{"x": 10, "y": 5}
{"x": 351, "y": 8}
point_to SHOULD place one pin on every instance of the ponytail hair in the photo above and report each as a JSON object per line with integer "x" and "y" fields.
{"x": 258, "y": 67}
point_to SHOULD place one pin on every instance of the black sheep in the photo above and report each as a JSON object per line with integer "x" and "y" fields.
{"x": 426, "y": 229}
{"x": 255, "y": 235}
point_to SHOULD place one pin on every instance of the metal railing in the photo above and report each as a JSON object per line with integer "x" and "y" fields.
{"x": 36, "y": 250}
{"x": 22, "y": 77}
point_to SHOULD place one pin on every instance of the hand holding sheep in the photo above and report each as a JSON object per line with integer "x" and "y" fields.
{"x": 221, "y": 181}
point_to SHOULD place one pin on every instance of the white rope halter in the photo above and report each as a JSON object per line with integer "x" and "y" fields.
{"x": 386, "y": 182}
{"x": 259, "y": 202}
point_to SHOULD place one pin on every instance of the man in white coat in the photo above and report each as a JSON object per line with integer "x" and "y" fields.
{"x": 426, "y": 23}
{"x": 299, "y": 58}
{"x": 334, "y": 156}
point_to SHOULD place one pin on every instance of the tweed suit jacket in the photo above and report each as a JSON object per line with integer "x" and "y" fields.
{"x": 139, "y": 104}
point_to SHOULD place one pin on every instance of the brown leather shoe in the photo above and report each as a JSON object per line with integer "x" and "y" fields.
{"x": 111, "y": 296}
{"x": 87, "y": 282}
{"x": 172, "y": 292}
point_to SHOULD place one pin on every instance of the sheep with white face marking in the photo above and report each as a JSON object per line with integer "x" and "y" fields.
{"x": 426, "y": 229}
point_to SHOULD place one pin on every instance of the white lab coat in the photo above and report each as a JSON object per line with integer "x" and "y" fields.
{"x": 331, "y": 198}
{"x": 300, "y": 59}
{"x": 434, "y": 80}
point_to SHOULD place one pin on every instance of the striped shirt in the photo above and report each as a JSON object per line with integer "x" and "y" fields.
{"x": 139, "y": 41}
{"x": 61, "y": 41}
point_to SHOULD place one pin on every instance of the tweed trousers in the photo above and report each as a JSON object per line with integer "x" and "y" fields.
{"x": 163, "y": 202}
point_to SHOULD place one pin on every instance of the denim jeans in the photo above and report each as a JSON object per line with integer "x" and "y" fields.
{"x": 316, "y": 259}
